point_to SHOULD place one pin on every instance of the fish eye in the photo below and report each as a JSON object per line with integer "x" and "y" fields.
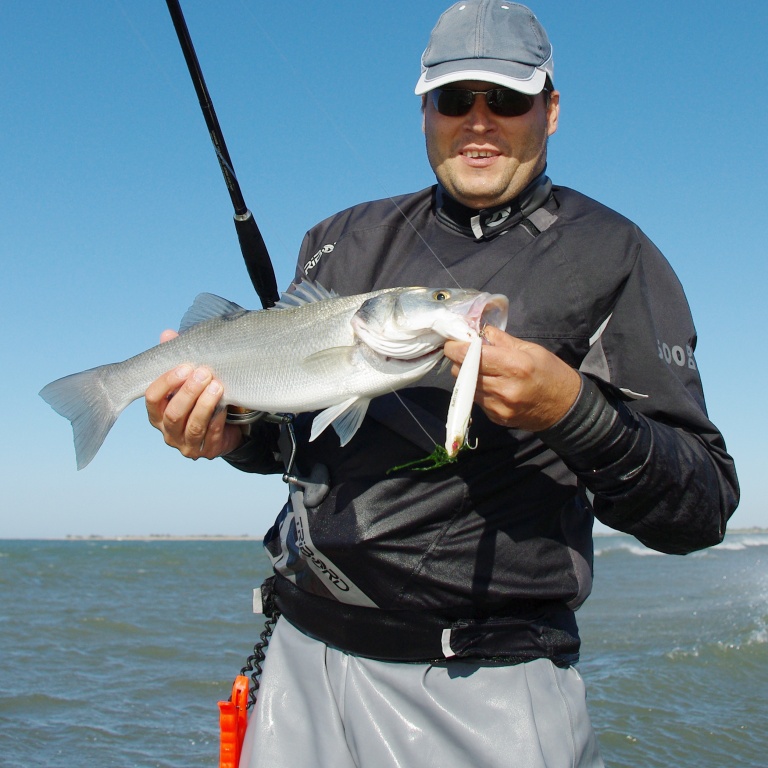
{"x": 441, "y": 295}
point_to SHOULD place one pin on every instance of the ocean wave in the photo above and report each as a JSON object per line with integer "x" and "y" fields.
{"x": 735, "y": 542}
{"x": 634, "y": 548}
{"x": 748, "y": 639}
{"x": 742, "y": 542}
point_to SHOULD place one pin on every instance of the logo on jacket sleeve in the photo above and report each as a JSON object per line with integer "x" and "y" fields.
{"x": 677, "y": 355}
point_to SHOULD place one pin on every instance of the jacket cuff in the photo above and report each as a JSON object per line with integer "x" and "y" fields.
{"x": 600, "y": 438}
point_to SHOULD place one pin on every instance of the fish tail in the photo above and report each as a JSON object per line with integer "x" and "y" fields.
{"x": 84, "y": 398}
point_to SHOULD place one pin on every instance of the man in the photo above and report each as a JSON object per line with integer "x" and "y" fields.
{"x": 428, "y": 617}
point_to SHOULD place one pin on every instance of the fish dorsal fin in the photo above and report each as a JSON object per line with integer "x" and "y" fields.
{"x": 305, "y": 292}
{"x": 206, "y": 306}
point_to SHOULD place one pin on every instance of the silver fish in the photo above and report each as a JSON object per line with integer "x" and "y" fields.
{"x": 313, "y": 351}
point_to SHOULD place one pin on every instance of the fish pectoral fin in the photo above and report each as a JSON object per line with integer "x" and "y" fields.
{"x": 346, "y": 418}
{"x": 327, "y": 361}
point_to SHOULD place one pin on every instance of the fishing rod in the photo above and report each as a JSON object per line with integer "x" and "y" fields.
{"x": 252, "y": 244}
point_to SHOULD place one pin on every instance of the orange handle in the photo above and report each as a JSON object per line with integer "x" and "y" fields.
{"x": 232, "y": 723}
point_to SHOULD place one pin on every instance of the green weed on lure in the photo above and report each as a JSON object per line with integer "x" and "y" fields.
{"x": 457, "y": 423}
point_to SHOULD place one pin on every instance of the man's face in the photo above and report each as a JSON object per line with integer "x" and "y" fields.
{"x": 483, "y": 159}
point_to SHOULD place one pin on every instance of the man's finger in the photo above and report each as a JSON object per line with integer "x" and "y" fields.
{"x": 202, "y": 412}
{"x": 160, "y": 390}
{"x": 184, "y": 401}
{"x": 456, "y": 351}
{"x": 167, "y": 335}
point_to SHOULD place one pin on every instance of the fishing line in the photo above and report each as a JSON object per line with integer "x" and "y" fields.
{"x": 414, "y": 417}
{"x": 320, "y": 108}
{"x": 363, "y": 162}
{"x": 158, "y": 65}
{"x": 182, "y": 103}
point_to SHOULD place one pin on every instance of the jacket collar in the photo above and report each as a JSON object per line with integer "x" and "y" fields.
{"x": 488, "y": 223}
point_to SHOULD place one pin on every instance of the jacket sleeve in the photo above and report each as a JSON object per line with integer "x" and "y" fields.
{"x": 259, "y": 453}
{"x": 638, "y": 437}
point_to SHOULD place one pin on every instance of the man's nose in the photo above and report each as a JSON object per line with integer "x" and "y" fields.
{"x": 480, "y": 119}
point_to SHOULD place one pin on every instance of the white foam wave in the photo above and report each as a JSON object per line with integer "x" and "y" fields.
{"x": 758, "y": 636}
{"x": 634, "y": 548}
{"x": 735, "y": 542}
{"x": 740, "y": 541}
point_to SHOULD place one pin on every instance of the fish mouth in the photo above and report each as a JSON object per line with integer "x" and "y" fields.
{"x": 485, "y": 309}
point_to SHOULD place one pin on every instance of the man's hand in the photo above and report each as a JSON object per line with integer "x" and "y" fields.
{"x": 182, "y": 405}
{"x": 521, "y": 384}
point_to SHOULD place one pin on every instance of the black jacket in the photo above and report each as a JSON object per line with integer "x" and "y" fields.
{"x": 511, "y": 521}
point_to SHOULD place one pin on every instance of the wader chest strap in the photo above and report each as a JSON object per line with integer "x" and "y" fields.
{"x": 534, "y": 630}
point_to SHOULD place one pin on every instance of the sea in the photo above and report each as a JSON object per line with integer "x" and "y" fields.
{"x": 115, "y": 652}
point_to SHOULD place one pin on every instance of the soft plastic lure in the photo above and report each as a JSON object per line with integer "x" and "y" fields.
{"x": 460, "y": 409}
{"x": 459, "y": 412}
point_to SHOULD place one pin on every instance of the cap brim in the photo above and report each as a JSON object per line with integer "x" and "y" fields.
{"x": 530, "y": 80}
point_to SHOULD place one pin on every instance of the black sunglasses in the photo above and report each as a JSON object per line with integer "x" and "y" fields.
{"x": 457, "y": 102}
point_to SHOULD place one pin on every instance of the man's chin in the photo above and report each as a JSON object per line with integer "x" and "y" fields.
{"x": 479, "y": 200}
{"x": 480, "y": 193}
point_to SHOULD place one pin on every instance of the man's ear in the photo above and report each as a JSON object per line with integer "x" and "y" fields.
{"x": 553, "y": 112}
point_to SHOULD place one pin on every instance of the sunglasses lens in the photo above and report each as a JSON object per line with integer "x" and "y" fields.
{"x": 456, "y": 102}
{"x": 508, "y": 103}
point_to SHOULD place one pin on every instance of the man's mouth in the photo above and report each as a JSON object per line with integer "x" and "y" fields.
{"x": 479, "y": 153}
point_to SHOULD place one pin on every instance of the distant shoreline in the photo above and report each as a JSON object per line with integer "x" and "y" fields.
{"x": 162, "y": 537}
{"x": 250, "y": 537}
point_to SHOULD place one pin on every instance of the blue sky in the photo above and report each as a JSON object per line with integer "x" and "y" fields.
{"x": 114, "y": 214}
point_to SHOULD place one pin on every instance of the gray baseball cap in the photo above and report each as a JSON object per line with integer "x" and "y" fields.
{"x": 491, "y": 40}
